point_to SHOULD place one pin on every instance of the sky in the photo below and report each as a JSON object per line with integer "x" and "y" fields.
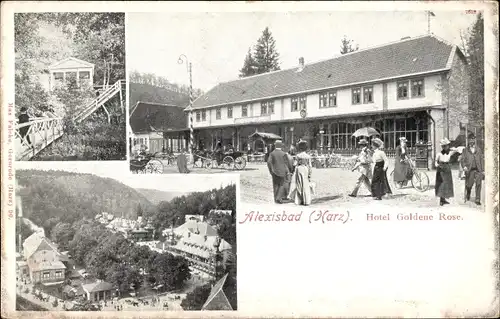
{"x": 216, "y": 43}
{"x": 119, "y": 170}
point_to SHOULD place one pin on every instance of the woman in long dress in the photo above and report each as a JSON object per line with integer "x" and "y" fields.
{"x": 401, "y": 167}
{"x": 444, "y": 180}
{"x": 380, "y": 185}
{"x": 303, "y": 172}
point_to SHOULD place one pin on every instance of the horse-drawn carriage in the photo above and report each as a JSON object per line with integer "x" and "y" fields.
{"x": 146, "y": 164}
{"x": 233, "y": 160}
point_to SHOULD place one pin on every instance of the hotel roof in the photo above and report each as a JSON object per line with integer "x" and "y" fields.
{"x": 148, "y": 117}
{"x": 194, "y": 226}
{"x": 408, "y": 57}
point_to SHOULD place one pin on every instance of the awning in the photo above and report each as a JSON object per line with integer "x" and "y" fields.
{"x": 270, "y": 136}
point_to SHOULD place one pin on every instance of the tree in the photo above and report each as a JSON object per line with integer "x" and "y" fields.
{"x": 475, "y": 50}
{"x": 62, "y": 234}
{"x": 249, "y": 66}
{"x": 195, "y": 299}
{"x": 347, "y": 46}
{"x": 171, "y": 271}
{"x": 265, "y": 54}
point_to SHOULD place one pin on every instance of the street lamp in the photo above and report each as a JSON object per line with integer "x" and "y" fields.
{"x": 183, "y": 59}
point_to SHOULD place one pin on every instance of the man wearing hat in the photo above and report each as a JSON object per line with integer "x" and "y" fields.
{"x": 472, "y": 163}
{"x": 363, "y": 167}
{"x": 280, "y": 166}
{"x": 23, "y": 131}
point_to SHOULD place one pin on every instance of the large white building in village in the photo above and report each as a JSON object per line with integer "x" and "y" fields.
{"x": 415, "y": 87}
{"x": 200, "y": 244}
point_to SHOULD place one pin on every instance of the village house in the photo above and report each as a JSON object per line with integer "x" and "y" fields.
{"x": 45, "y": 264}
{"x": 415, "y": 87}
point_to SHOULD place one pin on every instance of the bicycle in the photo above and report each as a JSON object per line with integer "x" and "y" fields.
{"x": 419, "y": 180}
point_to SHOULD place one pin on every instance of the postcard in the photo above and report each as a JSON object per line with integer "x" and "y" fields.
{"x": 250, "y": 159}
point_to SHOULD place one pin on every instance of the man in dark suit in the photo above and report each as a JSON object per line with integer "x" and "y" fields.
{"x": 182, "y": 162}
{"x": 23, "y": 131}
{"x": 280, "y": 166}
{"x": 472, "y": 163}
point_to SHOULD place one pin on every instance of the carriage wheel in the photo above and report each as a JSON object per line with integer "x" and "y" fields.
{"x": 228, "y": 162}
{"x": 396, "y": 184}
{"x": 240, "y": 163}
{"x": 420, "y": 181}
{"x": 154, "y": 167}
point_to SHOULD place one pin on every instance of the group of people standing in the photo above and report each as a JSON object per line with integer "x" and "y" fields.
{"x": 375, "y": 181}
{"x": 471, "y": 161}
{"x": 291, "y": 176}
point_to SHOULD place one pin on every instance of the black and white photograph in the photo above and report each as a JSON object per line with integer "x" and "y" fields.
{"x": 255, "y": 159}
{"x": 396, "y": 117}
{"x": 70, "y": 101}
{"x": 89, "y": 242}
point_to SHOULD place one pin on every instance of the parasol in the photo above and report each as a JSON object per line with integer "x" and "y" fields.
{"x": 366, "y": 131}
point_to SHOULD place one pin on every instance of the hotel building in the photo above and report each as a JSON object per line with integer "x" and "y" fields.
{"x": 415, "y": 87}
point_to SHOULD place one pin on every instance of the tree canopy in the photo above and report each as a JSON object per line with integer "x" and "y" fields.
{"x": 265, "y": 57}
{"x": 347, "y": 45}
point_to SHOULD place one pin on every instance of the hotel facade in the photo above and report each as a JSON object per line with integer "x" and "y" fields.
{"x": 416, "y": 88}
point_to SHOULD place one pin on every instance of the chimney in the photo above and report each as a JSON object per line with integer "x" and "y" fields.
{"x": 301, "y": 62}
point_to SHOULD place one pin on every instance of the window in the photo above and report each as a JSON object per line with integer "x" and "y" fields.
{"x": 46, "y": 274}
{"x": 417, "y": 88}
{"x": 229, "y": 112}
{"x": 267, "y": 108}
{"x": 198, "y": 116}
{"x": 332, "y": 99}
{"x": 263, "y": 108}
{"x": 59, "y": 76}
{"x": 303, "y": 102}
{"x": 328, "y": 99}
{"x": 295, "y": 104}
{"x": 323, "y": 100}
{"x": 203, "y": 115}
{"x": 402, "y": 90}
{"x": 270, "y": 107}
{"x": 368, "y": 94}
{"x": 218, "y": 114}
{"x": 59, "y": 274}
{"x": 84, "y": 75}
{"x": 244, "y": 110}
{"x": 356, "y": 96}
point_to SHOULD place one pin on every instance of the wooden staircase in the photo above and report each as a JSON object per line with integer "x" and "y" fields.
{"x": 94, "y": 105}
{"x": 44, "y": 131}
